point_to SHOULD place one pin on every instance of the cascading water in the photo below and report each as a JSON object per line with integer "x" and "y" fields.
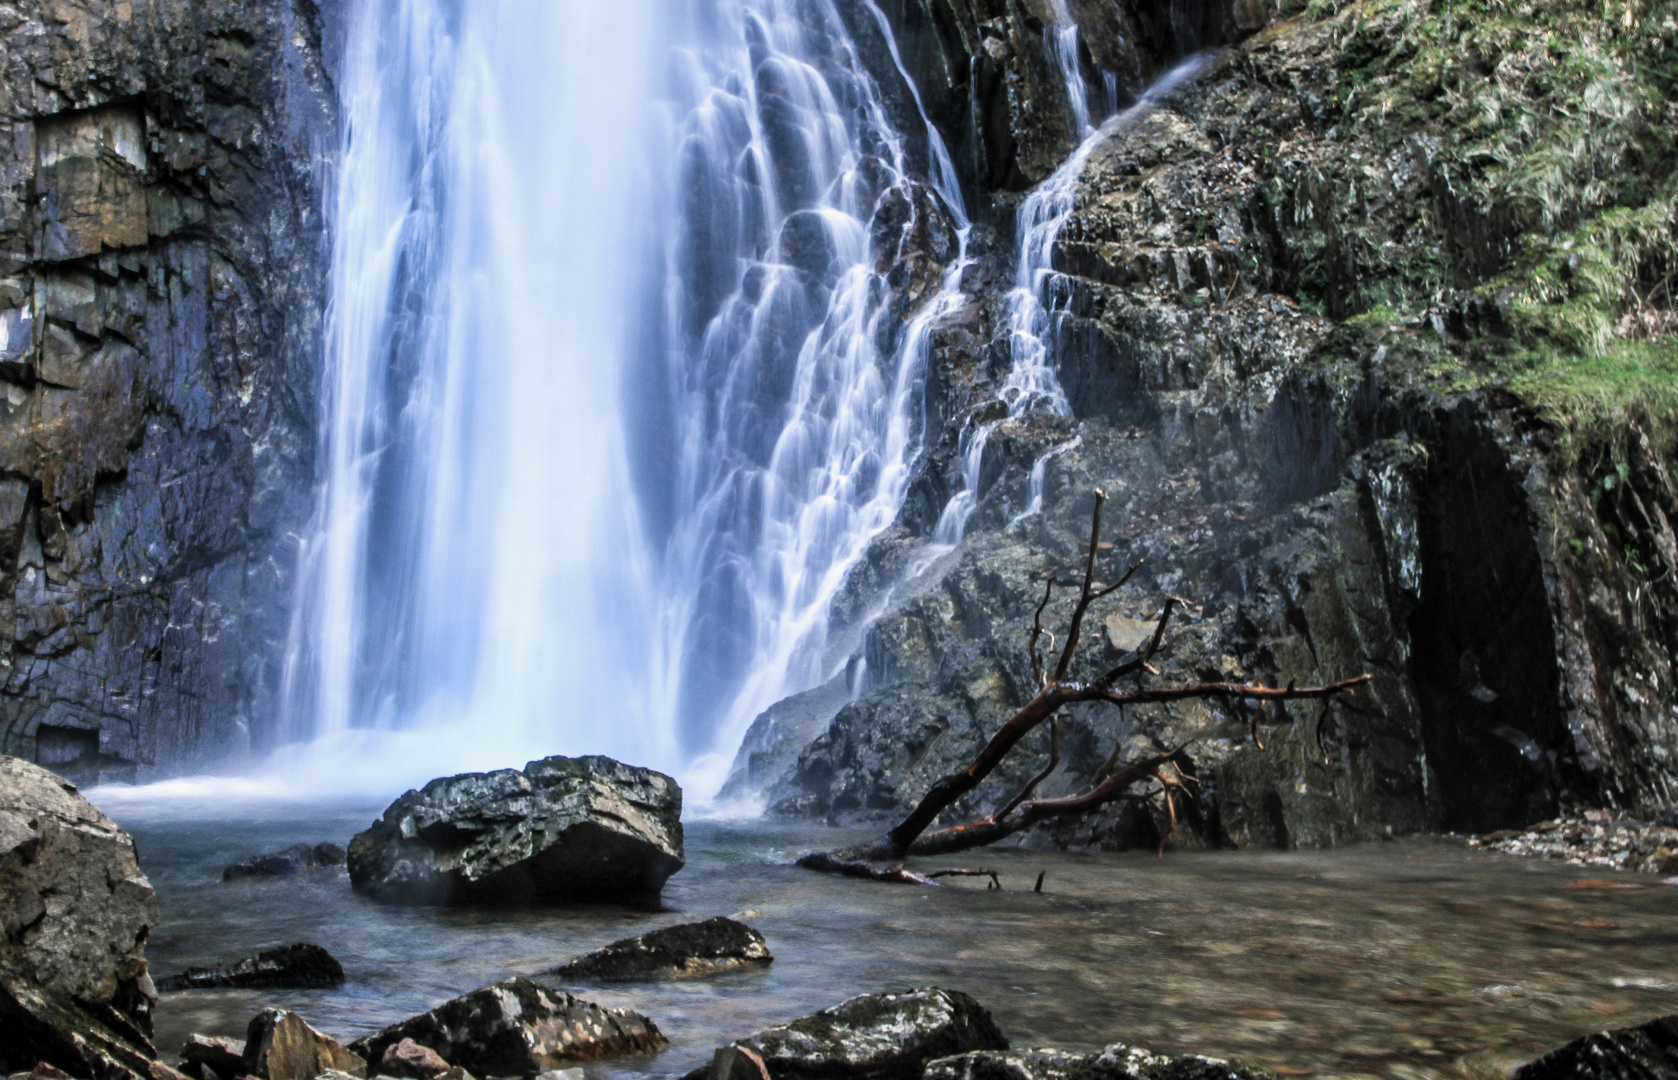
{"x": 587, "y": 489}
{"x": 1039, "y": 294}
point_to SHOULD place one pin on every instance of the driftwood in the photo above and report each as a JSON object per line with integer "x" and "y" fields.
{"x": 1172, "y": 771}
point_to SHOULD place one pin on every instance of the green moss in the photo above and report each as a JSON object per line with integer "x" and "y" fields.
{"x": 1552, "y": 144}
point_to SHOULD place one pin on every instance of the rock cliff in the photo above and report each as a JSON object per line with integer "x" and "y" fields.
{"x": 1367, "y": 333}
{"x": 161, "y": 247}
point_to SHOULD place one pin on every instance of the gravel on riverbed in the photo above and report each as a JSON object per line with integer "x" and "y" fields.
{"x": 1594, "y": 838}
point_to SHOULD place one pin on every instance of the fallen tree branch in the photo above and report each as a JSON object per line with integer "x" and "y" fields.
{"x": 1112, "y": 781}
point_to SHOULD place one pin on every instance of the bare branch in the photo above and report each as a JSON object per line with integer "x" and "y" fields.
{"x": 1076, "y": 626}
{"x": 1031, "y": 785}
{"x": 1037, "y": 632}
{"x": 1140, "y": 660}
{"x": 995, "y": 881}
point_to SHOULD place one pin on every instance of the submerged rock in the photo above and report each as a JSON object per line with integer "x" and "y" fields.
{"x": 564, "y": 829}
{"x": 685, "y": 950}
{"x": 1118, "y": 1062}
{"x": 293, "y": 860}
{"x": 74, "y": 914}
{"x": 280, "y": 1045}
{"x": 872, "y": 1037}
{"x": 1646, "y": 1052}
{"x": 297, "y": 965}
{"x": 518, "y": 1028}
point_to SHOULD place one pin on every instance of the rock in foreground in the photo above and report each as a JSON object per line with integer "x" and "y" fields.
{"x": 1117, "y": 1062}
{"x": 295, "y": 859}
{"x": 518, "y": 1028}
{"x": 74, "y": 911}
{"x": 280, "y": 1045}
{"x": 684, "y": 951}
{"x": 300, "y": 965}
{"x": 564, "y": 829}
{"x": 873, "y": 1037}
{"x": 1646, "y": 1052}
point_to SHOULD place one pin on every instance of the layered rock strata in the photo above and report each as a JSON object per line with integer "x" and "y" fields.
{"x": 161, "y": 252}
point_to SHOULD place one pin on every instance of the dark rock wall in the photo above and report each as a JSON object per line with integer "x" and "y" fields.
{"x": 161, "y": 248}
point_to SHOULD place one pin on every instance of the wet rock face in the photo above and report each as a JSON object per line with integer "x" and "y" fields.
{"x": 517, "y": 1028}
{"x": 161, "y": 253}
{"x": 300, "y": 965}
{"x": 75, "y": 910}
{"x": 874, "y": 1037}
{"x": 564, "y": 829}
{"x": 684, "y": 951}
{"x": 1277, "y": 449}
{"x": 1647, "y": 1052}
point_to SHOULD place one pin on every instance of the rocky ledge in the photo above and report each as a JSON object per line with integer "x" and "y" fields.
{"x": 564, "y": 829}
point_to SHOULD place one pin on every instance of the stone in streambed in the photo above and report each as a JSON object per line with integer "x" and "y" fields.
{"x": 1118, "y": 1062}
{"x": 518, "y": 1028}
{"x": 293, "y": 860}
{"x": 223, "y": 1057}
{"x": 874, "y": 1037}
{"x": 408, "y": 1060}
{"x": 1646, "y": 1052}
{"x": 564, "y": 829}
{"x": 280, "y": 1045}
{"x": 683, "y": 951}
{"x": 300, "y": 965}
{"x": 74, "y": 914}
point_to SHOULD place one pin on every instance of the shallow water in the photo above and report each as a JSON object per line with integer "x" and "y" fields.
{"x": 1407, "y": 959}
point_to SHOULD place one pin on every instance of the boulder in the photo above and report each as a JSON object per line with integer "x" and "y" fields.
{"x": 564, "y": 829}
{"x": 300, "y": 965}
{"x": 870, "y": 1037}
{"x": 682, "y": 951}
{"x": 223, "y": 1057}
{"x": 293, "y": 860}
{"x": 518, "y": 1028}
{"x": 1646, "y": 1052}
{"x": 280, "y": 1045}
{"x": 74, "y": 914}
{"x": 1118, "y": 1062}
{"x": 408, "y": 1060}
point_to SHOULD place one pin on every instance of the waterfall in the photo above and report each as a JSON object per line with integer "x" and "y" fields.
{"x": 1040, "y": 294}
{"x": 630, "y": 310}
{"x": 797, "y": 396}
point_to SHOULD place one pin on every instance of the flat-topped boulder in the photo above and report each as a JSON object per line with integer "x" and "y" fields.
{"x": 562, "y": 830}
{"x": 518, "y": 1028}
{"x": 867, "y": 1037}
{"x": 75, "y": 911}
{"x": 684, "y": 951}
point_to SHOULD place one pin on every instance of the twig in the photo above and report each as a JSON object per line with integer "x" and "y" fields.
{"x": 995, "y": 881}
{"x": 1076, "y": 626}
{"x": 1031, "y": 785}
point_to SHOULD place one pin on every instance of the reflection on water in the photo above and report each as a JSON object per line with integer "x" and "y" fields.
{"x": 1407, "y": 959}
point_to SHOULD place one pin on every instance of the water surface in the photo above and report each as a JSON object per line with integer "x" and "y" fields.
{"x": 1407, "y": 959}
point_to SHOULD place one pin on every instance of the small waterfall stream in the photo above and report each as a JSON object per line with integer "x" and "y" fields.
{"x": 598, "y": 453}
